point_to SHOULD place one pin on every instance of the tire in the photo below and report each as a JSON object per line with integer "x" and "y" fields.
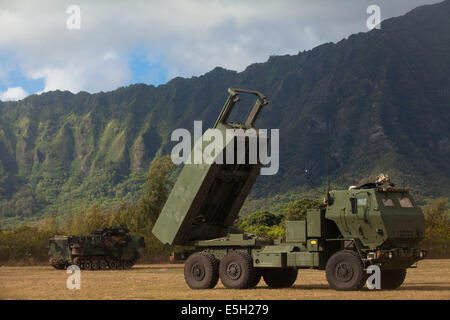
{"x": 256, "y": 278}
{"x": 345, "y": 271}
{"x": 201, "y": 271}
{"x": 280, "y": 277}
{"x": 392, "y": 279}
{"x": 236, "y": 270}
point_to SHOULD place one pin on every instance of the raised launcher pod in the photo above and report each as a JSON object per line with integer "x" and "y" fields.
{"x": 207, "y": 196}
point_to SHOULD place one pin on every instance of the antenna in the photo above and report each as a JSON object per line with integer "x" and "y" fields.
{"x": 308, "y": 178}
{"x": 327, "y": 168}
{"x": 328, "y": 199}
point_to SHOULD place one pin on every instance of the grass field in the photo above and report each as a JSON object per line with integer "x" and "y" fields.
{"x": 431, "y": 280}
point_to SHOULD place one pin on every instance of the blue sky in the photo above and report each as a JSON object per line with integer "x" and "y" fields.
{"x": 146, "y": 71}
{"x": 124, "y": 42}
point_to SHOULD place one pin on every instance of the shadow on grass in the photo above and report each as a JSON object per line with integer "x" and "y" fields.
{"x": 312, "y": 287}
{"x": 424, "y": 288}
{"x": 170, "y": 267}
{"x": 365, "y": 289}
{"x": 263, "y": 286}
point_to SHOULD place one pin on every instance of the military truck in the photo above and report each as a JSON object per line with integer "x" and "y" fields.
{"x": 108, "y": 248}
{"x": 370, "y": 224}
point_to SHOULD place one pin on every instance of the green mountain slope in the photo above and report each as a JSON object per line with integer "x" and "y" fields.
{"x": 375, "y": 102}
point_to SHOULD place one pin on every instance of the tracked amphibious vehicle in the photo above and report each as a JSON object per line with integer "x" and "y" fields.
{"x": 107, "y": 248}
{"x": 374, "y": 224}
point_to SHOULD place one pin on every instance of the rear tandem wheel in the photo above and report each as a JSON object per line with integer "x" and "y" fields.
{"x": 280, "y": 277}
{"x": 237, "y": 272}
{"x": 201, "y": 271}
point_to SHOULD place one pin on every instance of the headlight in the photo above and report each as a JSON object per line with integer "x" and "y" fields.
{"x": 390, "y": 255}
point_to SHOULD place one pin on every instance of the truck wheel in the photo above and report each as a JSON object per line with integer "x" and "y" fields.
{"x": 201, "y": 271}
{"x": 392, "y": 279}
{"x": 345, "y": 271}
{"x": 236, "y": 270}
{"x": 280, "y": 277}
{"x": 256, "y": 278}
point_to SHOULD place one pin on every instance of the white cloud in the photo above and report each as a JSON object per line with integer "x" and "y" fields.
{"x": 184, "y": 37}
{"x": 89, "y": 73}
{"x": 13, "y": 94}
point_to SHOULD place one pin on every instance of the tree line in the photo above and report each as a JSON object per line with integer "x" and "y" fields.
{"x": 27, "y": 245}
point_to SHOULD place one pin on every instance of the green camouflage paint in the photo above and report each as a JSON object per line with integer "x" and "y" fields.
{"x": 107, "y": 248}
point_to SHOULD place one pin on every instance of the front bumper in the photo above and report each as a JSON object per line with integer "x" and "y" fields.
{"x": 397, "y": 258}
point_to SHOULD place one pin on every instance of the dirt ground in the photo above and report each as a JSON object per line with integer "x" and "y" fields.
{"x": 431, "y": 280}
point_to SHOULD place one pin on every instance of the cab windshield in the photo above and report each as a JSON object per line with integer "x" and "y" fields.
{"x": 405, "y": 202}
{"x": 396, "y": 200}
{"x": 387, "y": 202}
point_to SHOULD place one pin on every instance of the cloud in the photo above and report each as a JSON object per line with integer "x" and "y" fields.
{"x": 173, "y": 37}
{"x": 13, "y": 94}
{"x": 99, "y": 72}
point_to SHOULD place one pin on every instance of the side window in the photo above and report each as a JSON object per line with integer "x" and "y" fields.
{"x": 405, "y": 202}
{"x": 362, "y": 201}
{"x": 387, "y": 202}
{"x": 354, "y": 204}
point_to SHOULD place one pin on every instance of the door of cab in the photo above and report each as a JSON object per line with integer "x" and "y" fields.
{"x": 358, "y": 214}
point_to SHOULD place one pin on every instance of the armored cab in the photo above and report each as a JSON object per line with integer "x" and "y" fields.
{"x": 107, "y": 248}
{"x": 381, "y": 220}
